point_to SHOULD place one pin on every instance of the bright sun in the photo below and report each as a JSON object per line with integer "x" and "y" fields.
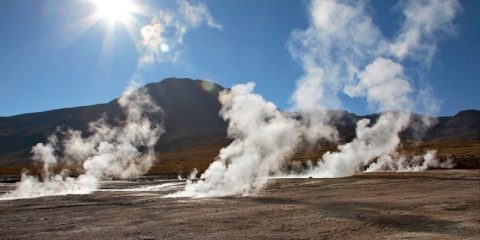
{"x": 114, "y": 10}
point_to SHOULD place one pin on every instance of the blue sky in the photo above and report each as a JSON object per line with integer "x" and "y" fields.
{"x": 47, "y": 65}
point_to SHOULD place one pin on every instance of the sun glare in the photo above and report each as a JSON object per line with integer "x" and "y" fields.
{"x": 114, "y": 14}
{"x": 114, "y": 10}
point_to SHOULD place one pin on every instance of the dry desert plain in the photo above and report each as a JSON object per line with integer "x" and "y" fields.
{"x": 437, "y": 204}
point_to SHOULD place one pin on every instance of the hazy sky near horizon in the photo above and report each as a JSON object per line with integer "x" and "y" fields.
{"x": 50, "y": 58}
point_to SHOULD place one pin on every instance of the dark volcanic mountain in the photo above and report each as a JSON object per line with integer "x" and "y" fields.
{"x": 465, "y": 125}
{"x": 191, "y": 120}
{"x": 190, "y": 115}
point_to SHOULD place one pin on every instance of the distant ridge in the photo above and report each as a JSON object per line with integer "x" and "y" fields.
{"x": 191, "y": 119}
{"x": 190, "y": 109}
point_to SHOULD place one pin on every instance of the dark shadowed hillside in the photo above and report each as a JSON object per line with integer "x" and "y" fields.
{"x": 465, "y": 125}
{"x": 194, "y": 130}
{"x": 190, "y": 114}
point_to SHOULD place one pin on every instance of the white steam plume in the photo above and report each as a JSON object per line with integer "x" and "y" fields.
{"x": 425, "y": 22}
{"x": 382, "y": 81}
{"x": 378, "y": 141}
{"x": 124, "y": 151}
{"x": 384, "y": 84}
{"x": 402, "y": 163}
{"x": 340, "y": 38}
{"x": 264, "y": 138}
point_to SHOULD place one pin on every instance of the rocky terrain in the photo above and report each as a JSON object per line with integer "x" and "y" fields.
{"x": 440, "y": 204}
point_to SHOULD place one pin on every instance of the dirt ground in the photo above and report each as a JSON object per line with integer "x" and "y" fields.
{"x": 442, "y": 204}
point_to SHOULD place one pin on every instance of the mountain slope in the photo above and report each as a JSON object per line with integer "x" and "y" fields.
{"x": 464, "y": 125}
{"x": 190, "y": 114}
{"x": 192, "y": 123}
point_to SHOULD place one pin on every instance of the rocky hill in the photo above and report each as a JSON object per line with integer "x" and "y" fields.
{"x": 191, "y": 120}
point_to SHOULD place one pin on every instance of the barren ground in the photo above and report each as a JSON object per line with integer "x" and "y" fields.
{"x": 443, "y": 204}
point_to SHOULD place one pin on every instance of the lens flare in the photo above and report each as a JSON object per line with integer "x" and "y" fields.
{"x": 164, "y": 47}
{"x": 208, "y": 86}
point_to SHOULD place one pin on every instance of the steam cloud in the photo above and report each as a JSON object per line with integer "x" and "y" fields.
{"x": 264, "y": 139}
{"x": 124, "y": 151}
{"x": 342, "y": 51}
{"x": 346, "y": 40}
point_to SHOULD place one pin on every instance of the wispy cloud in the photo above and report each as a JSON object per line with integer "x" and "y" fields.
{"x": 425, "y": 22}
{"x": 162, "y": 39}
{"x": 341, "y": 37}
{"x": 342, "y": 43}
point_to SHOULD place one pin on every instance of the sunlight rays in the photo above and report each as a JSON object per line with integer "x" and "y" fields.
{"x": 114, "y": 14}
{"x": 75, "y": 30}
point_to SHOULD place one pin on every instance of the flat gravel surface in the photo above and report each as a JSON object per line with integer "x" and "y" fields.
{"x": 443, "y": 204}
